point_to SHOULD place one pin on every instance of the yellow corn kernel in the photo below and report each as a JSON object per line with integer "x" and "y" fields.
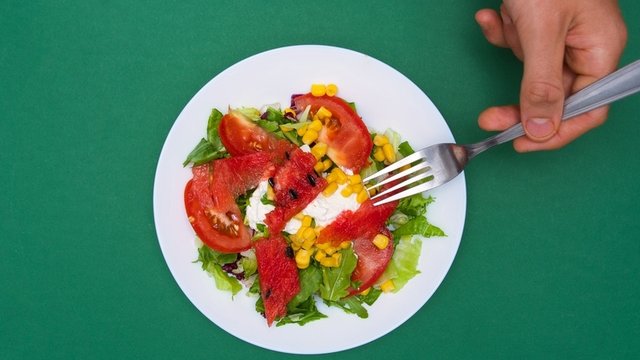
{"x": 308, "y": 243}
{"x": 320, "y": 255}
{"x": 300, "y": 231}
{"x": 357, "y": 187}
{"x": 327, "y": 164}
{"x": 329, "y": 262}
{"x": 332, "y": 90}
{"x": 337, "y": 256}
{"x": 346, "y": 191}
{"x": 270, "y": 194}
{"x": 296, "y": 240}
{"x": 373, "y": 191}
{"x": 355, "y": 179}
{"x": 316, "y": 125}
{"x": 307, "y": 220}
{"x": 319, "y": 150}
{"x": 303, "y": 257}
{"x": 323, "y": 246}
{"x": 295, "y": 246}
{"x": 318, "y": 229}
{"x": 341, "y": 177}
{"x": 299, "y": 216}
{"x": 323, "y": 113}
{"x": 380, "y": 140}
{"x": 309, "y": 234}
{"x": 389, "y": 153}
{"x": 345, "y": 244}
{"x": 318, "y": 89}
{"x": 309, "y": 136}
{"x": 318, "y": 167}
{"x": 381, "y": 241}
{"x": 330, "y": 189}
{"x": 302, "y": 129}
{"x": 365, "y": 291}
{"x": 378, "y": 154}
{"x": 362, "y": 196}
{"x": 387, "y": 286}
{"x": 330, "y": 250}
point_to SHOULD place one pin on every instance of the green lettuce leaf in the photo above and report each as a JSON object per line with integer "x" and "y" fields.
{"x": 212, "y": 262}
{"x": 404, "y": 262}
{"x": 418, "y": 226}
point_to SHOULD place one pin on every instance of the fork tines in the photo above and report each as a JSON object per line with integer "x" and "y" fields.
{"x": 420, "y": 171}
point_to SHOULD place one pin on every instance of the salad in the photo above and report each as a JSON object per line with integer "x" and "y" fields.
{"x": 278, "y": 206}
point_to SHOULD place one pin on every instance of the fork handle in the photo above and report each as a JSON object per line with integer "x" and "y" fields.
{"x": 615, "y": 86}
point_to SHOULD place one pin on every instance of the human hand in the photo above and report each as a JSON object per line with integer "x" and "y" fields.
{"x": 564, "y": 45}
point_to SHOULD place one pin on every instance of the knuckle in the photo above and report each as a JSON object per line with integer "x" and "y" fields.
{"x": 541, "y": 92}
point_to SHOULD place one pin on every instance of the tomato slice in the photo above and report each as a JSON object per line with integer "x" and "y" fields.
{"x": 278, "y": 275}
{"x": 210, "y": 199}
{"x": 241, "y": 136}
{"x": 371, "y": 261}
{"x": 347, "y": 137}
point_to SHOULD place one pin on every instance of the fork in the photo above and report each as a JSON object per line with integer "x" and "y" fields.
{"x": 438, "y": 164}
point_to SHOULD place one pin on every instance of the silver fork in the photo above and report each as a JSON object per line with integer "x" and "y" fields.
{"x": 438, "y": 164}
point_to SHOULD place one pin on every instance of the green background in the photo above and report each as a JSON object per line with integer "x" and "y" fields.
{"x": 550, "y": 257}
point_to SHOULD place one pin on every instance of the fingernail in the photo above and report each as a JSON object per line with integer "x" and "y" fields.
{"x": 540, "y": 127}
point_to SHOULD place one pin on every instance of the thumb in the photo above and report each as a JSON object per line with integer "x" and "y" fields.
{"x": 542, "y": 90}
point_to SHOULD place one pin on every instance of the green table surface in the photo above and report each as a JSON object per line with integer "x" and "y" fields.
{"x": 549, "y": 263}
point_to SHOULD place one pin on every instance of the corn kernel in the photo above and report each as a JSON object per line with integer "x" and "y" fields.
{"x": 307, "y": 220}
{"x": 323, "y": 113}
{"x": 373, "y": 191}
{"x": 320, "y": 255}
{"x": 355, "y": 179}
{"x": 362, "y": 196}
{"x": 318, "y": 229}
{"x": 389, "y": 153}
{"x": 295, "y": 246}
{"x": 300, "y": 231}
{"x": 330, "y": 250}
{"x": 381, "y": 241}
{"x": 329, "y": 262}
{"x": 309, "y": 136}
{"x": 308, "y": 243}
{"x": 387, "y": 286}
{"x": 357, "y": 187}
{"x": 318, "y": 167}
{"x": 332, "y": 90}
{"x": 323, "y": 246}
{"x": 365, "y": 291}
{"x": 289, "y": 112}
{"x": 341, "y": 177}
{"x": 271, "y": 195}
{"x": 319, "y": 150}
{"x": 327, "y": 164}
{"x": 309, "y": 234}
{"x": 316, "y": 125}
{"x": 378, "y": 154}
{"x": 318, "y": 89}
{"x": 330, "y": 189}
{"x": 298, "y": 240}
{"x": 380, "y": 140}
{"x": 302, "y": 129}
{"x": 346, "y": 191}
{"x": 345, "y": 244}
{"x": 303, "y": 258}
{"x": 337, "y": 256}
{"x": 299, "y": 216}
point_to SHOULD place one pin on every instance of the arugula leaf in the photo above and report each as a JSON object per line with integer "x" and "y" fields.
{"x": 210, "y": 148}
{"x": 265, "y": 200}
{"x": 418, "y": 226}
{"x": 351, "y": 305}
{"x": 310, "y": 281}
{"x": 302, "y": 314}
{"x": 212, "y": 262}
{"x": 336, "y": 281}
{"x": 371, "y": 296}
{"x": 273, "y": 114}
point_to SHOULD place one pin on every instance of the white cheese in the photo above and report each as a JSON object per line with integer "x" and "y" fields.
{"x": 324, "y": 209}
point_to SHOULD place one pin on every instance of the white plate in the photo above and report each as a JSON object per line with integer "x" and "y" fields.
{"x": 384, "y": 98}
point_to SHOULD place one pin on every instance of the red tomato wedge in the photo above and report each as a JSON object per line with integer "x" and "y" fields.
{"x": 210, "y": 199}
{"x": 241, "y": 136}
{"x": 278, "y": 274}
{"x": 372, "y": 261}
{"x": 345, "y": 134}
{"x": 365, "y": 222}
{"x": 295, "y": 185}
